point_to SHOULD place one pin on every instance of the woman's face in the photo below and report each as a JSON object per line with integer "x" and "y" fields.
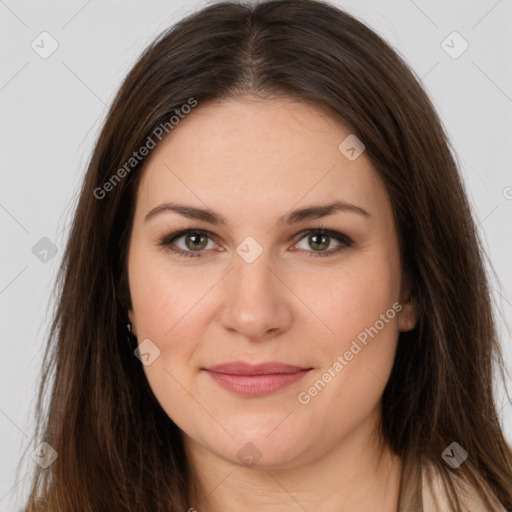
{"x": 259, "y": 288}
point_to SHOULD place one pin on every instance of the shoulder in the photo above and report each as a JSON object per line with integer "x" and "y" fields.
{"x": 435, "y": 498}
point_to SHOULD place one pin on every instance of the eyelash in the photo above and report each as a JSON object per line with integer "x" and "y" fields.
{"x": 344, "y": 240}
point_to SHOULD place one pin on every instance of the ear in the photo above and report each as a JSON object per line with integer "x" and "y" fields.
{"x": 131, "y": 317}
{"x": 408, "y": 317}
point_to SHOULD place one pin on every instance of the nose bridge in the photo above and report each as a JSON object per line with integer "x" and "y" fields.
{"x": 254, "y": 303}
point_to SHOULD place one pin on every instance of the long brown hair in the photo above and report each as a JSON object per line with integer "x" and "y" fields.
{"x": 117, "y": 448}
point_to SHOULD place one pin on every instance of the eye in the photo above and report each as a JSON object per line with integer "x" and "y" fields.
{"x": 320, "y": 239}
{"x": 195, "y": 241}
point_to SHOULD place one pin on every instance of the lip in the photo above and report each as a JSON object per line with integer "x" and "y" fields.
{"x": 255, "y": 380}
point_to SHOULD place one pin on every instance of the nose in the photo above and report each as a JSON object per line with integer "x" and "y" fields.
{"x": 255, "y": 302}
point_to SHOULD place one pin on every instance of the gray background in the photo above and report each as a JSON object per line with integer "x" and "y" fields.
{"x": 51, "y": 110}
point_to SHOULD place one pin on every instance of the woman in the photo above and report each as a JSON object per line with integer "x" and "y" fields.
{"x": 273, "y": 210}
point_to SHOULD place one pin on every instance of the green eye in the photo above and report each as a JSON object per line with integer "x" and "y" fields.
{"x": 196, "y": 241}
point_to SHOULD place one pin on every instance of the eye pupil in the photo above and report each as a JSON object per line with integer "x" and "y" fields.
{"x": 323, "y": 244}
{"x": 196, "y": 237}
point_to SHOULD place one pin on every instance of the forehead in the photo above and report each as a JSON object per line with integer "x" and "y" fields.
{"x": 257, "y": 155}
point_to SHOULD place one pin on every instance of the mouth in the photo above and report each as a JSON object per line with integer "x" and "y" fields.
{"x": 255, "y": 380}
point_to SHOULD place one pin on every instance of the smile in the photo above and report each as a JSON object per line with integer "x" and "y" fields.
{"x": 255, "y": 381}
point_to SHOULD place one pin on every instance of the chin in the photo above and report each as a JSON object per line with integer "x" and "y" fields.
{"x": 262, "y": 448}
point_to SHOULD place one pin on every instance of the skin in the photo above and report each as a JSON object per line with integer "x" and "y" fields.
{"x": 253, "y": 161}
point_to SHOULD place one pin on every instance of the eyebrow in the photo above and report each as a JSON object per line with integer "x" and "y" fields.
{"x": 293, "y": 217}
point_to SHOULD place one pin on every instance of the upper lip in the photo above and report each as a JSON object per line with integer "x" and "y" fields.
{"x": 243, "y": 368}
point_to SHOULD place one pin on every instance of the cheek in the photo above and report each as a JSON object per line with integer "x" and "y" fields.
{"x": 161, "y": 293}
{"x": 161, "y": 305}
{"x": 360, "y": 307}
{"x": 172, "y": 307}
{"x": 354, "y": 297}
{"x": 164, "y": 308}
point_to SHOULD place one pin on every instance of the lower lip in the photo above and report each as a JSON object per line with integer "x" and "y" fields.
{"x": 256, "y": 385}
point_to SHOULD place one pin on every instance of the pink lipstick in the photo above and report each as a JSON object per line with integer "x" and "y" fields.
{"x": 255, "y": 380}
